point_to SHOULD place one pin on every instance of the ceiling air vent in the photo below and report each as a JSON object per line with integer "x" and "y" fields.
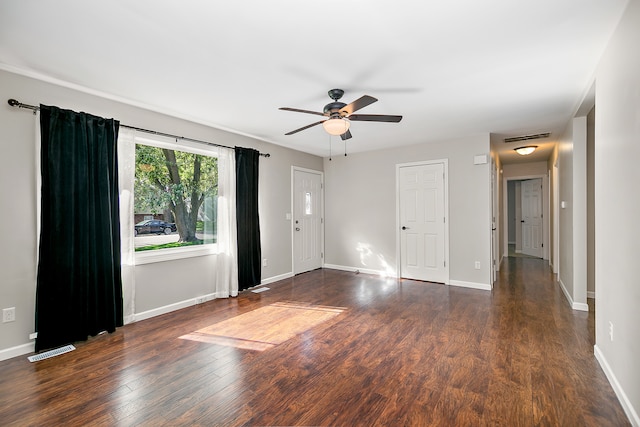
{"x": 527, "y": 137}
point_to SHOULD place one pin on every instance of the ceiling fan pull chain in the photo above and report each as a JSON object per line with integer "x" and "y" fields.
{"x": 329, "y": 147}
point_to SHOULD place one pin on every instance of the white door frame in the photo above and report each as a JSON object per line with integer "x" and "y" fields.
{"x": 495, "y": 221}
{"x": 556, "y": 221}
{"x": 445, "y": 163}
{"x": 292, "y": 211}
{"x": 527, "y": 187}
{"x": 545, "y": 210}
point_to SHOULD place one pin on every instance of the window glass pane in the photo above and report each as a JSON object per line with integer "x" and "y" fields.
{"x": 307, "y": 203}
{"x": 175, "y": 198}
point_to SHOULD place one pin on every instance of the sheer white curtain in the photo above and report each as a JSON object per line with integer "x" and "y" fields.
{"x": 126, "y": 177}
{"x": 226, "y": 260}
{"x": 38, "y": 188}
{"x": 226, "y": 266}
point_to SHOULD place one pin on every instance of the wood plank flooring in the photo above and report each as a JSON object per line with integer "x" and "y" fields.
{"x": 402, "y": 353}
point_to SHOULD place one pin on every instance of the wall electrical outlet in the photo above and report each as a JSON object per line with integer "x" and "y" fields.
{"x": 9, "y": 314}
{"x": 200, "y": 300}
{"x": 264, "y": 262}
{"x": 477, "y": 265}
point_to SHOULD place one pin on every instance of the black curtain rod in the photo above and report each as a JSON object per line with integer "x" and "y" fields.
{"x": 18, "y": 104}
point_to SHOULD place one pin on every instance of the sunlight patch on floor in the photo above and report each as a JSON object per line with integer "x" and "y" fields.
{"x": 265, "y": 327}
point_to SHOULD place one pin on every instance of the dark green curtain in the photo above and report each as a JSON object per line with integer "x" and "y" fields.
{"x": 79, "y": 286}
{"x": 248, "y": 222}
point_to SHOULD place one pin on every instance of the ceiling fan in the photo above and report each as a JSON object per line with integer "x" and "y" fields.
{"x": 340, "y": 115}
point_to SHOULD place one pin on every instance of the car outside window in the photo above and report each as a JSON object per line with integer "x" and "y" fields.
{"x": 178, "y": 186}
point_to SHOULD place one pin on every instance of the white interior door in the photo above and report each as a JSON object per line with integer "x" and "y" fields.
{"x": 531, "y": 196}
{"x": 422, "y": 221}
{"x": 307, "y": 220}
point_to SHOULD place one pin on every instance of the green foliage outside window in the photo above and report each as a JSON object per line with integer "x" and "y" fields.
{"x": 181, "y": 185}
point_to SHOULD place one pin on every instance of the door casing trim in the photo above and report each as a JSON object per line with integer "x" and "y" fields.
{"x": 445, "y": 163}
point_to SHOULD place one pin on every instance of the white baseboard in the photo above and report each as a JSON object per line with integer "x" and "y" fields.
{"x": 574, "y": 305}
{"x": 580, "y": 306}
{"x": 472, "y": 285}
{"x": 173, "y": 307}
{"x": 460, "y": 283}
{"x": 19, "y": 350}
{"x": 359, "y": 270}
{"x": 197, "y": 300}
{"x": 276, "y": 278}
{"x": 628, "y": 408}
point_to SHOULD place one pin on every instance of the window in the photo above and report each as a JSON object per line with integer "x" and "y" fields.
{"x": 175, "y": 198}
{"x": 307, "y": 203}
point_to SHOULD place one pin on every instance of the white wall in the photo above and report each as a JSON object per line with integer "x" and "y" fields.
{"x": 360, "y": 192}
{"x": 159, "y": 286}
{"x": 617, "y": 210}
{"x": 565, "y": 169}
{"x": 591, "y": 225}
{"x": 579, "y": 295}
{"x": 572, "y": 163}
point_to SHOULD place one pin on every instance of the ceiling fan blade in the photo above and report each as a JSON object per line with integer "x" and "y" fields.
{"x": 301, "y": 111}
{"x": 346, "y": 135}
{"x": 303, "y": 128}
{"x": 359, "y": 103}
{"x": 374, "y": 118}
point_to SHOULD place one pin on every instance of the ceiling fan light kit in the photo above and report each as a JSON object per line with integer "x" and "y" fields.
{"x": 526, "y": 150}
{"x": 340, "y": 115}
{"x": 336, "y": 126}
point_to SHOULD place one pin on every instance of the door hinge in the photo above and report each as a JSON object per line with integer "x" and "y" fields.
{"x": 321, "y": 254}
{"x": 445, "y": 263}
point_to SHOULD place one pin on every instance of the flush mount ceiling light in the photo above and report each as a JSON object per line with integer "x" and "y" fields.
{"x": 526, "y": 150}
{"x": 336, "y": 126}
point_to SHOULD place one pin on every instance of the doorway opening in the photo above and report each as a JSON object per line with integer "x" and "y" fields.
{"x": 526, "y": 213}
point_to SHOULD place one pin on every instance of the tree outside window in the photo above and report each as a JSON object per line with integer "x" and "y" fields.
{"x": 182, "y": 188}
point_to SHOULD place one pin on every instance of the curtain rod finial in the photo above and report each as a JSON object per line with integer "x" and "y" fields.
{"x": 13, "y": 103}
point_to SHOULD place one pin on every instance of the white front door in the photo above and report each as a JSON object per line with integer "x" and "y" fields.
{"x": 531, "y": 197}
{"x": 422, "y": 221}
{"x": 307, "y": 220}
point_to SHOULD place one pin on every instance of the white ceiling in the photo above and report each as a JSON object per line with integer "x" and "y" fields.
{"x": 457, "y": 68}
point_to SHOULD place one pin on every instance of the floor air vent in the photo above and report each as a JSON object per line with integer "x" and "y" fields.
{"x": 527, "y": 137}
{"x": 51, "y": 353}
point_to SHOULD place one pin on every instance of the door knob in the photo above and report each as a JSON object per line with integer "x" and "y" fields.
{"x": 405, "y": 228}
{"x": 297, "y": 228}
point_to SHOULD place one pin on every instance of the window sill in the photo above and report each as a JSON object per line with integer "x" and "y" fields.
{"x": 162, "y": 255}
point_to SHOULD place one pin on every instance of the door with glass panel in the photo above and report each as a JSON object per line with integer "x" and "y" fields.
{"x": 307, "y": 220}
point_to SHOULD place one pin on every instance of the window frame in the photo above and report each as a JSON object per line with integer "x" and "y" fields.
{"x": 171, "y": 254}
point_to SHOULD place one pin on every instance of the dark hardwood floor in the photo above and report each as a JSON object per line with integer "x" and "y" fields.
{"x": 402, "y": 353}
